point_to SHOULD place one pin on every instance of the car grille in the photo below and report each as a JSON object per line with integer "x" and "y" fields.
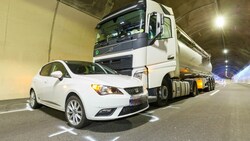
{"x": 134, "y": 90}
{"x": 132, "y": 109}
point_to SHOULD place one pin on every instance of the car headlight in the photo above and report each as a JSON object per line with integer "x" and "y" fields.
{"x": 105, "y": 90}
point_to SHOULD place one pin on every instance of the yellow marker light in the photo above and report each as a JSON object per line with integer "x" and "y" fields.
{"x": 199, "y": 83}
{"x": 185, "y": 70}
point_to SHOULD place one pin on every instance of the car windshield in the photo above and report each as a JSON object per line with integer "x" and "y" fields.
{"x": 80, "y": 67}
{"x": 127, "y": 24}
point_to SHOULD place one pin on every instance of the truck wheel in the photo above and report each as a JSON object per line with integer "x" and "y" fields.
{"x": 208, "y": 88}
{"x": 213, "y": 87}
{"x": 163, "y": 93}
{"x": 75, "y": 113}
{"x": 195, "y": 90}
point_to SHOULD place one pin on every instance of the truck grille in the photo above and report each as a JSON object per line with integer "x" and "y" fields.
{"x": 134, "y": 90}
{"x": 123, "y": 64}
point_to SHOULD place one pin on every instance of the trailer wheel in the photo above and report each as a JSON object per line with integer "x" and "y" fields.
{"x": 164, "y": 93}
{"x": 208, "y": 88}
{"x": 195, "y": 90}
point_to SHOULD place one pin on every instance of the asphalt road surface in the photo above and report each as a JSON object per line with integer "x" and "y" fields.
{"x": 219, "y": 115}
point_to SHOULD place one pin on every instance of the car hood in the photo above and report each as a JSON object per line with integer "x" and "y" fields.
{"x": 120, "y": 81}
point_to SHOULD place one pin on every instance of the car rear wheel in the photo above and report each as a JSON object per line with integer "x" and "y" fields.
{"x": 75, "y": 113}
{"x": 33, "y": 102}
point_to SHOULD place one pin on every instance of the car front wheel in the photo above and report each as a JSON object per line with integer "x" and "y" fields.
{"x": 74, "y": 112}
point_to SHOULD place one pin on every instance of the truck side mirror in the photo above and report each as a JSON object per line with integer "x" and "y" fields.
{"x": 155, "y": 27}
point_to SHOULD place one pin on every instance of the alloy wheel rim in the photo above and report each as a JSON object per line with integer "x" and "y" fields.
{"x": 32, "y": 99}
{"x": 74, "y": 112}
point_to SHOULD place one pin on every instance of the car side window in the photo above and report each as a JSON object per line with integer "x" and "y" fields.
{"x": 60, "y": 67}
{"x": 45, "y": 71}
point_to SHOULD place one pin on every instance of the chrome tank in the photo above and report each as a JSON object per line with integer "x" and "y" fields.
{"x": 192, "y": 61}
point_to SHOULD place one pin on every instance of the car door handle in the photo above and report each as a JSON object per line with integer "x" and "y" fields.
{"x": 170, "y": 57}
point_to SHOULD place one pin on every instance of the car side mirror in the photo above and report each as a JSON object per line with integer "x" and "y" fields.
{"x": 57, "y": 74}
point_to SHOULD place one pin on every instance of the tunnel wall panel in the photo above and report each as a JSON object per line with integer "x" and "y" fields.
{"x": 25, "y": 37}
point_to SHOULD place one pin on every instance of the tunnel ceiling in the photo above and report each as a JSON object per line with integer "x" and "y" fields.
{"x": 196, "y": 18}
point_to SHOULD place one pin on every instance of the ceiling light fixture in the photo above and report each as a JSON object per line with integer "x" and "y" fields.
{"x": 225, "y": 51}
{"x": 220, "y": 21}
{"x": 226, "y": 61}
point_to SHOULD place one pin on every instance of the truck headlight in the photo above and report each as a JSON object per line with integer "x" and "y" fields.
{"x": 138, "y": 75}
{"x": 105, "y": 90}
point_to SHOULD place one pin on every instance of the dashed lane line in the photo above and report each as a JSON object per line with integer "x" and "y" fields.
{"x": 171, "y": 107}
{"x": 214, "y": 93}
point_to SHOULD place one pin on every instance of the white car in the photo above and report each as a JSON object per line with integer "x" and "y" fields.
{"x": 87, "y": 91}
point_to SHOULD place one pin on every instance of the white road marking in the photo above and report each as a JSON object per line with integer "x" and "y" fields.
{"x": 171, "y": 107}
{"x": 116, "y": 138}
{"x": 214, "y": 93}
{"x": 28, "y": 108}
{"x": 89, "y": 138}
{"x": 153, "y": 118}
{"x": 150, "y": 112}
{"x": 13, "y": 111}
{"x": 64, "y": 130}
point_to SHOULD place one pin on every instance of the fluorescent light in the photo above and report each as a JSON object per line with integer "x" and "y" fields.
{"x": 226, "y": 61}
{"x": 226, "y": 66}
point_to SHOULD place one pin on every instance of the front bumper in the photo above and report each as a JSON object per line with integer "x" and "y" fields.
{"x": 117, "y": 106}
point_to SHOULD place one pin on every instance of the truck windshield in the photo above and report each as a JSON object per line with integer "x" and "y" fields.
{"x": 124, "y": 25}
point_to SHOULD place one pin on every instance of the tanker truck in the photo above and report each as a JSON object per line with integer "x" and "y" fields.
{"x": 142, "y": 40}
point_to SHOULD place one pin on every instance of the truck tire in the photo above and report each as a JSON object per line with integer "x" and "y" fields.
{"x": 195, "y": 91}
{"x": 164, "y": 93}
{"x": 213, "y": 85}
{"x": 208, "y": 88}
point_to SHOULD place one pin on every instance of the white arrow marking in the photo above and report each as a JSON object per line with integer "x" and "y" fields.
{"x": 153, "y": 118}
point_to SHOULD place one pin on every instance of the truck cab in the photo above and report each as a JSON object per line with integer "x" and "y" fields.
{"x": 140, "y": 40}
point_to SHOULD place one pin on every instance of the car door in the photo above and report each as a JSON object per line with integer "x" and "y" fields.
{"x": 56, "y": 87}
{"x": 41, "y": 82}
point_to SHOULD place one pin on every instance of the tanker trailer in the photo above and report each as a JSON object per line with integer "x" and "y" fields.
{"x": 142, "y": 40}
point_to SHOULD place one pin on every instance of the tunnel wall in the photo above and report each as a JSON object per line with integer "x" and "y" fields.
{"x": 31, "y": 32}
{"x": 243, "y": 76}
